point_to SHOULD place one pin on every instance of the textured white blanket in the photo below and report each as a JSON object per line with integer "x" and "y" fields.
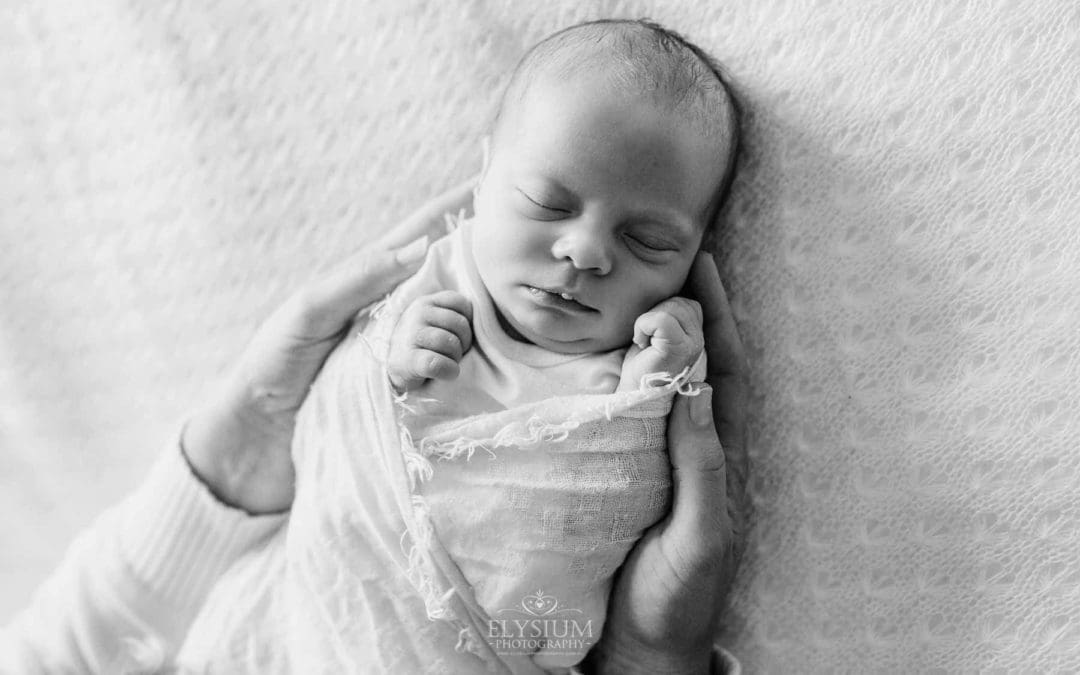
{"x": 902, "y": 251}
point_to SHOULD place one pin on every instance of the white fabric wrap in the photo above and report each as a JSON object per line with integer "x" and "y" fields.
{"x": 399, "y": 554}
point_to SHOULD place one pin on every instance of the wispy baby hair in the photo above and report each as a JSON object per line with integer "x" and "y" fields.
{"x": 640, "y": 57}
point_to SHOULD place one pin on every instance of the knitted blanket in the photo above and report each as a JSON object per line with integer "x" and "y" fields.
{"x": 902, "y": 251}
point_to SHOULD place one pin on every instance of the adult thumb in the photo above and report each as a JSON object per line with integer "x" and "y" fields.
{"x": 699, "y": 473}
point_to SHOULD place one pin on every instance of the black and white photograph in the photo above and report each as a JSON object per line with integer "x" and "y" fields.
{"x": 604, "y": 337}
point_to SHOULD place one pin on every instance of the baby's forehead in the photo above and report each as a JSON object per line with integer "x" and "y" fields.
{"x": 638, "y": 61}
{"x": 632, "y": 59}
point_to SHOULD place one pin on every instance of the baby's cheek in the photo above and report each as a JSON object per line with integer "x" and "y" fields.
{"x": 622, "y": 330}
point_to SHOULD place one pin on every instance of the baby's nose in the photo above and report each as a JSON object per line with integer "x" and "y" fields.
{"x": 586, "y": 250}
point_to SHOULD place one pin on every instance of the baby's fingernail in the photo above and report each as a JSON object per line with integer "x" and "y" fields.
{"x": 701, "y": 406}
{"x": 413, "y": 252}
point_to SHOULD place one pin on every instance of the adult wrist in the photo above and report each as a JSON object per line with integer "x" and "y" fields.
{"x": 224, "y": 451}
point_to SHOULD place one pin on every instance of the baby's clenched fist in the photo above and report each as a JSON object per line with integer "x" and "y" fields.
{"x": 431, "y": 336}
{"x": 667, "y": 338}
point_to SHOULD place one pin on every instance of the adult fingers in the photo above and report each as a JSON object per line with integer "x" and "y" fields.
{"x": 330, "y": 303}
{"x": 699, "y": 510}
{"x": 724, "y": 348}
{"x": 429, "y": 219}
{"x": 727, "y": 376}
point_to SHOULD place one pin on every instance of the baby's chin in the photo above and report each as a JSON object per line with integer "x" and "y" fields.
{"x": 558, "y": 341}
{"x": 561, "y": 345}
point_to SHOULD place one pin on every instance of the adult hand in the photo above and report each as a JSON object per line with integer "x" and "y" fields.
{"x": 239, "y": 443}
{"x": 666, "y": 603}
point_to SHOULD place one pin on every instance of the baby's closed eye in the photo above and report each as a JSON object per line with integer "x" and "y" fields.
{"x": 539, "y": 203}
{"x": 651, "y": 242}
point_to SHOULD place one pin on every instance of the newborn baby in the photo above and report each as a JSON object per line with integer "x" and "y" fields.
{"x": 608, "y": 161}
{"x": 546, "y": 333}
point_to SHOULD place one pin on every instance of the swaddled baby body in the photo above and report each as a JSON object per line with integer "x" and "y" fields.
{"x": 537, "y": 507}
{"x": 546, "y": 334}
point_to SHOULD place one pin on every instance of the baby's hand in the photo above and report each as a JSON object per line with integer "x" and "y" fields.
{"x": 669, "y": 337}
{"x": 431, "y": 336}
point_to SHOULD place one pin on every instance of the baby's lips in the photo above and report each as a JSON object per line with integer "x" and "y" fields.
{"x": 556, "y": 290}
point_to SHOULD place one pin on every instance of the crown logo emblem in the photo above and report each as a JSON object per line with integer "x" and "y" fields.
{"x": 539, "y": 603}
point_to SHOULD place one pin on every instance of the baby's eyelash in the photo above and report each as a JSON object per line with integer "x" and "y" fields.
{"x": 652, "y": 245}
{"x": 541, "y": 204}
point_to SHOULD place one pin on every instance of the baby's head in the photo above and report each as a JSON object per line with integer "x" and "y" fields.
{"x": 612, "y": 151}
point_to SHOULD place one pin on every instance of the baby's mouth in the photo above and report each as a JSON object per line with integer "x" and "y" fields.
{"x": 560, "y": 299}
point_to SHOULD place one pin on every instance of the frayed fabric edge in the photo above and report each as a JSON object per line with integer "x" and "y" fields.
{"x": 537, "y": 429}
{"x": 422, "y": 571}
{"x": 417, "y": 542}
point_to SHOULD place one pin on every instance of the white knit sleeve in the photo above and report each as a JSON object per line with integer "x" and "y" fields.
{"x": 130, "y": 584}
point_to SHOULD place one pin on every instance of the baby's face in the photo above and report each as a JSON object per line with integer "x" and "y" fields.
{"x": 595, "y": 196}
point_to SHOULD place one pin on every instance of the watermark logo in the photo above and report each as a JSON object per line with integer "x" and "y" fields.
{"x": 540, "y": 624}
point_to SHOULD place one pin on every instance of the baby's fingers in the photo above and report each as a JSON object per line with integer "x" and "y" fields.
{"x": 441, "y": 341}
{"x": 687, "y": 312}
{"x": 656, "y": 326}
{"x": 428, "y": 365}
{"x": 676, "y": 324}
{"x": 452, "y": 312}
